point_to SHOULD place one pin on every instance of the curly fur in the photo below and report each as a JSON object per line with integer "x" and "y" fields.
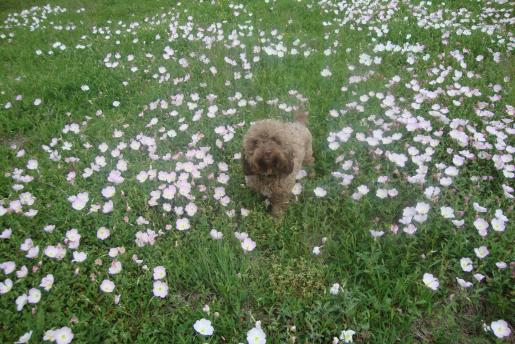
{"x": 273, "y": 154}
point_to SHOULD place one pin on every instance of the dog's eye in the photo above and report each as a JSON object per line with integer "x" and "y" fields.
{"x": 276, "y": 140}
{"x": 254, "y": 142}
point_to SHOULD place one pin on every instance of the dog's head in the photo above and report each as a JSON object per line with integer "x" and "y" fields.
{"x": 267, "y": 155}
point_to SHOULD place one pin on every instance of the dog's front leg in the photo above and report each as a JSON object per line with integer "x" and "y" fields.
{"x": 279, "y": 203}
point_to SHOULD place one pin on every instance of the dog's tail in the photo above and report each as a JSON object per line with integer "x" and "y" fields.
{"x": 301, "y": 116}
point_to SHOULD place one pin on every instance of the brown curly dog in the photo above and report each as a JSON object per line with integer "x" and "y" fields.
{"x": 273, "y": 154}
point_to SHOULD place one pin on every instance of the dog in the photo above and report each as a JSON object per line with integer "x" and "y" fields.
{"x": 273, "y": 153}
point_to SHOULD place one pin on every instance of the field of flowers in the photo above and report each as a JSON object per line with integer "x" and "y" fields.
{"x": 124, "y": 215}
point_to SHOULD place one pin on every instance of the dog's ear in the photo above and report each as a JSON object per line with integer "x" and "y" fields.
{"x": 247, "y": 168}
{"x": 285, "y": 164}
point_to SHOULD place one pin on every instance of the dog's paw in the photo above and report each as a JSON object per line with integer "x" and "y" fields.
{"x": 277, "y": 212}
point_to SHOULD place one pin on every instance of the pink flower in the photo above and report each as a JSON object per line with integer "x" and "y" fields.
{"x": 115, "y": 177}
{"x": 160, "y": 289}
{"x": 159, "y": 272}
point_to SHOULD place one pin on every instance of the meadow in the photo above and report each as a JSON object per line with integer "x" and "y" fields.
{"x": 124, "y": 215}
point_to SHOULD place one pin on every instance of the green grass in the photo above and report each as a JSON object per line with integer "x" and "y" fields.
{"x": 281, "y": 283}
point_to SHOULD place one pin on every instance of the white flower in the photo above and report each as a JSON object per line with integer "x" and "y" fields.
{"x": 32, "y": 164}
{"x": 466, "y": 264}
{"x": 169, "y": 192}
{"x": 103, "y": 233}
{"x": 47, "y": 282}
{"x": 316, "y": 250}
{"x": 159, "y": 272}
{"x": 107, "y": 207}
{"x": 398, "y": 159}
{"x": 501, "y": 265}
{"x": 479, "y": 277}
{"x": 248, "y": 245}
{"x": 335, "y": 289}
{"x": 73, "y": 235}
{"x": 203, "y": 327}
{"x": 346, "y": 336}
{"x": 6, "y": 286}
{"x": 49, "y": 228}
{"x": 479, "y": 208}
{"x": 216, "y": 235}
{"x": 326, "y": 72}
{"x": 142, "y": 176}
{"x": 241, "y": 235}
{"x": 182, "y": 224}
{"x": 79, "y": 201}
{"x": 432, "y": 192}
{"x": 79, "y": 257}
{"x": 21, "y": 301}
{"x": 34, "y": 295}
{"x": 463, "y": 283}
{"x": 498, "y": 225}
{"x": 480, "y": 224}
{"x": 33, "y": 252}
{"x": 103, "y": 147}
{"x": 376, "y": 234}
{"x": 481, "y": 252}
{"x": 22, "y": 272}
{"x": 382, "y": 193}
{"x": 430, "y": 281}
{"x": 49, "y": 335}
{"x": 26, "y": 246}
{"x": 6, "y": 234}
{"x": 85, "y": 88}
{"x": 410, "y": 229}
{"x": 37, "y": 101}
{"x": 451, "y": 171}
{"x": 142, "y": 221}
{"x": 500, "y": 215}
{"x": 24, "y": 339}
{"x": 108, "y": 191}
{"x": 297, "y": 189}
{"x": 320, "y": 192}
{"x": 26, "y": 198}
{"x": 500, "y": 328}
{"x": 191, "y": 209}
{"x": 121, "y": 165}
{"x": 8, "y": 267}
{"x": 57, "y": 252}
{"x": 116, "y": 103}
{"x": 420, "y": 218}
{"x": 160, "y": 289}
{"x": 422, "y": 208}
{"x": 447, "y": 212}
{"x": 115, "y": 177}
{"x": 256, "y": 336}
{"x": 363, "y": 189}
{"x": 115, "y": 251}
{"x": 115, "y": 267}
{"x": 107, "y": 286}
{"x": 63, "y": 335}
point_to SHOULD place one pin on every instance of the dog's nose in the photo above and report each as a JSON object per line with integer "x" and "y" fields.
{"x": 267, "y": 153}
